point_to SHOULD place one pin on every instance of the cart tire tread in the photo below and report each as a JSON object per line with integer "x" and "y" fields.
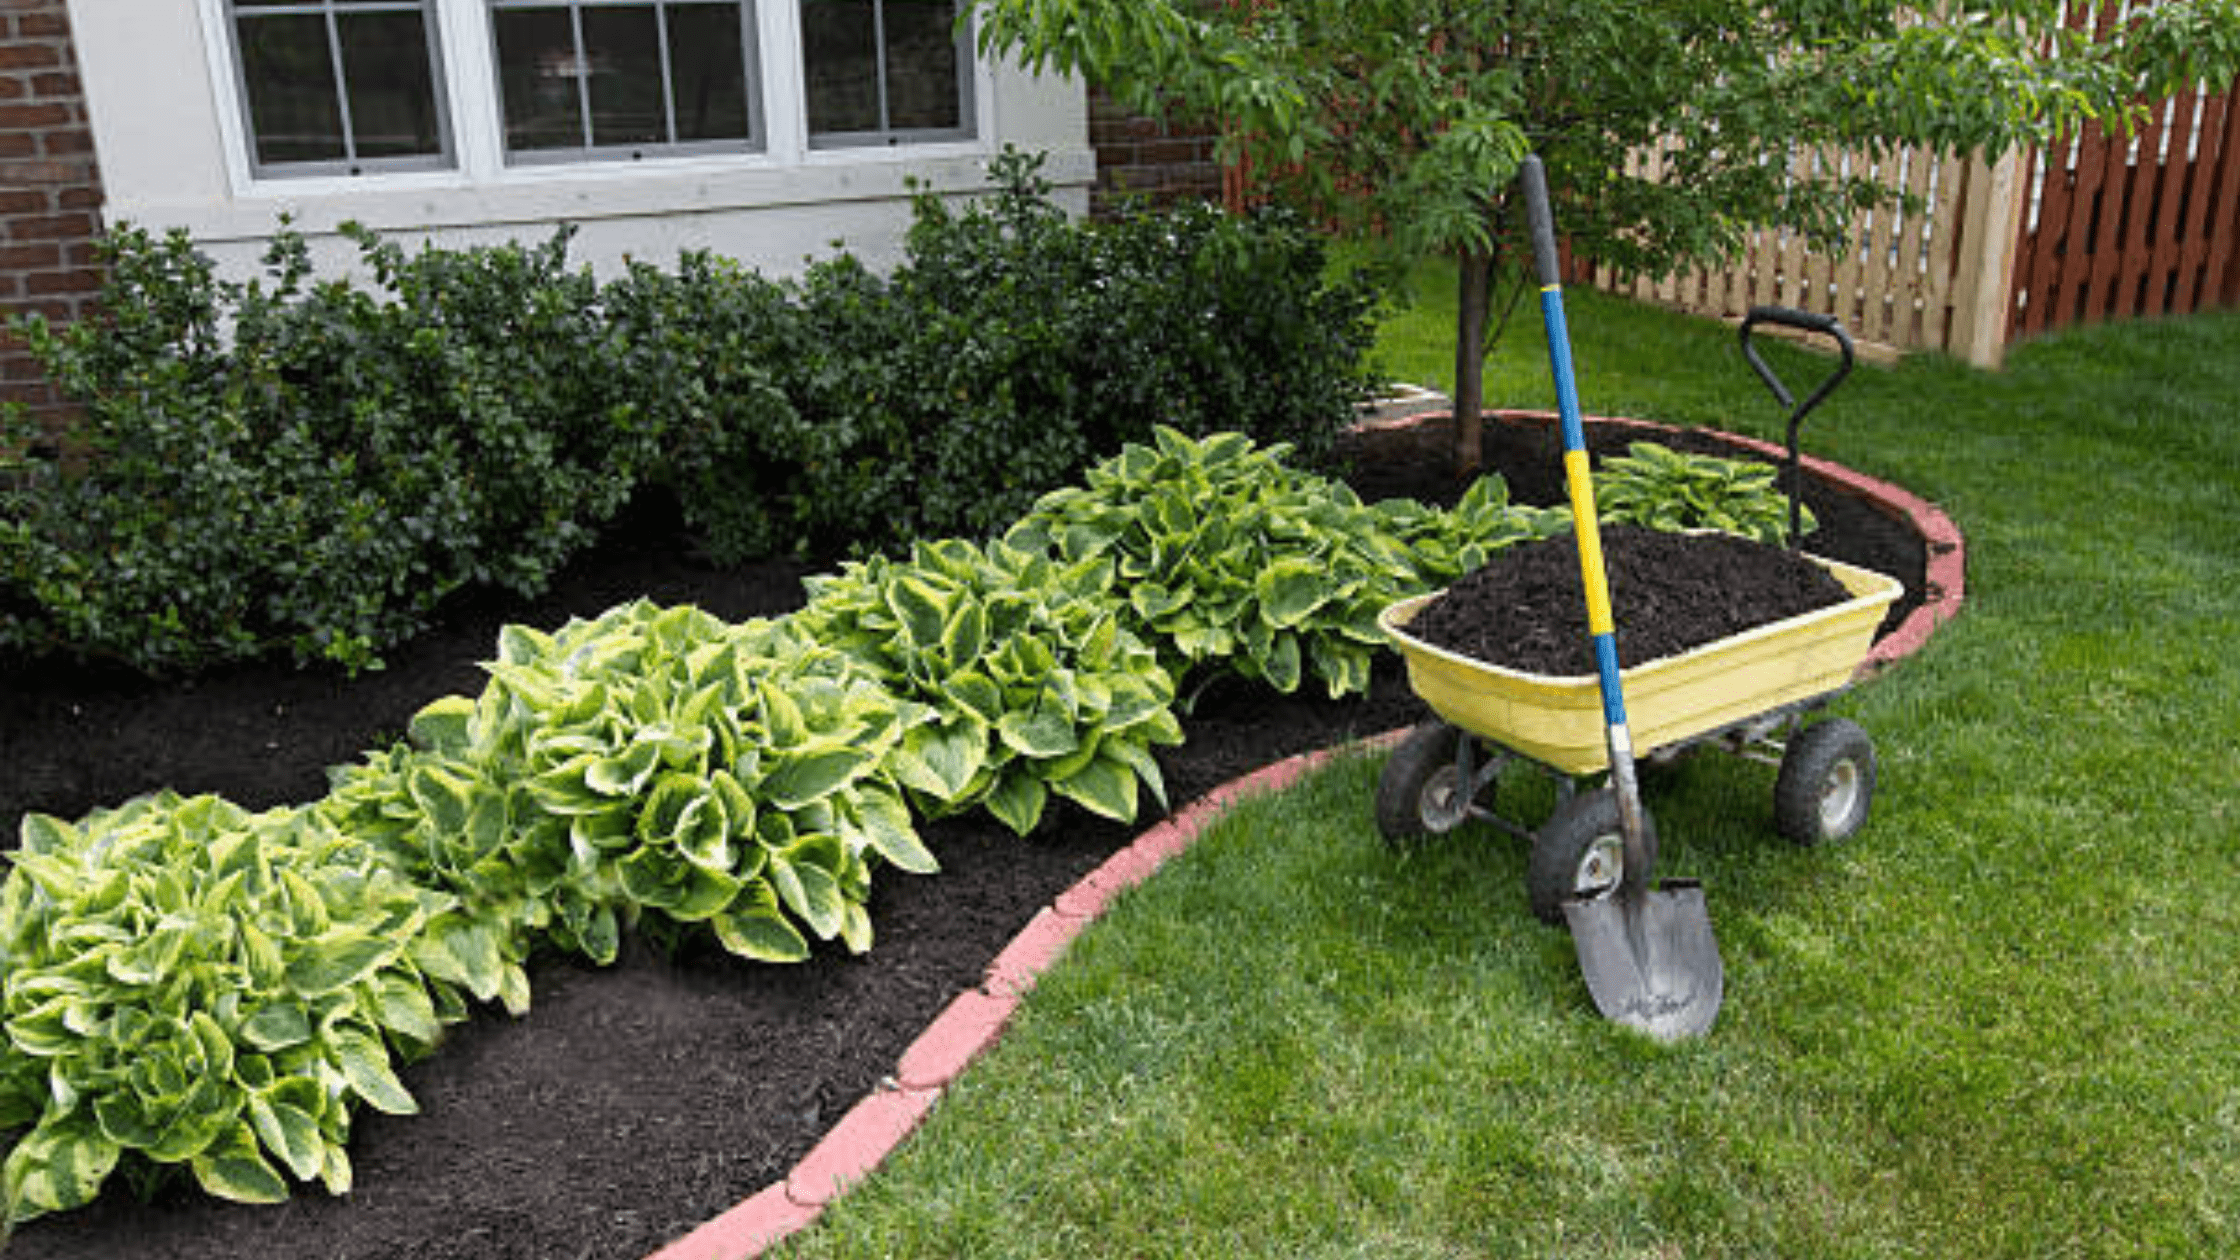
{"x": 1566, "y": 846}
{"x": 1421, "y": 766}
{"x": 1825, "y": 788}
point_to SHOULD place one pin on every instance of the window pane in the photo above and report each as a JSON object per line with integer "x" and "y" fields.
{"x": 538, "y": 74}
{"x": 922, "y": 65}
{"x": 293, "y": 107}
{"x": 707, "y": 64}
{"x": 840, "y": 52}
{"x": 392, "y": 86}
{"x": 623, "y": 47}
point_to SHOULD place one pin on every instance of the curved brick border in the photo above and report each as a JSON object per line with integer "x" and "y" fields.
{"x": 875, "y": 1126}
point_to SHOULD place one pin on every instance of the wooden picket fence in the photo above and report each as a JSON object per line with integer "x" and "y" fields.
{"x": 2106, "y": 226}
{"x": 2126, "y": 226}
{"x": 1937, "y": 278}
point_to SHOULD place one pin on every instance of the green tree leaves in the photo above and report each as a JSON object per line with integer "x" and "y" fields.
{"x": 1405, "y": 123}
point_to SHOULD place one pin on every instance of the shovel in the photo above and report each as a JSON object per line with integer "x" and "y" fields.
{"x": 1647, "y": 954}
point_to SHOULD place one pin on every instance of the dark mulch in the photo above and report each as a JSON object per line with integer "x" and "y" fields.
{"x": 1529, "y": 456}
{"x": 1526, "y": 609}
{"x": 636, "y": 1101}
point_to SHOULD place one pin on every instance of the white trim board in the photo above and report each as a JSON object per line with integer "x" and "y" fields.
{"x": 171, "y": 139}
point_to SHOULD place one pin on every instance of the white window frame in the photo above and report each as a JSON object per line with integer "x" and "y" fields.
{"x": 576, "y": 155}
{"x": 967, "y": 108}
{"x": 439, "y": 160}
{"x": 466, "y": 63}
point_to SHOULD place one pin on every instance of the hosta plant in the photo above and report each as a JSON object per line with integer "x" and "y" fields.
{"x": 1031, "y": 683}
{"x": 1445, "y": 543}
{"x": 1656, "y": 486}
{"x": 1229, "y": 558}
{"x": 650, "y": 761}
{"x": 190, "y": 984}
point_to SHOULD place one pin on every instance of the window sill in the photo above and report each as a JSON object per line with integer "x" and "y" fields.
{"x": 605, "y": 190}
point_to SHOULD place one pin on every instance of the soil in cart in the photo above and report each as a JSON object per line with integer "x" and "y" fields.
{"x": 1526, "y": 609}
{"x": 1415, "y": 460}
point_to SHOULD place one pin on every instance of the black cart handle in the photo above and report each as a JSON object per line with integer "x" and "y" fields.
{"x": 1803, "y": 321}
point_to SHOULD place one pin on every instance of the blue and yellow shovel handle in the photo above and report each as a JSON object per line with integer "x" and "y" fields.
{"x": 1600, "y": 624}
{"x": 1648, "y": 957}
{"x": 1576, "y": 478}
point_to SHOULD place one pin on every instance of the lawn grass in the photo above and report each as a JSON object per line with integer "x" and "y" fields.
{"x": 2002, "y": 1022}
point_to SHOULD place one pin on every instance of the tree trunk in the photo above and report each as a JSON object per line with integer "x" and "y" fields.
{"x": 1473, "y": 300}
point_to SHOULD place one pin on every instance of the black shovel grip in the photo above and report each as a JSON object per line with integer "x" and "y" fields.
{"x": 1534, "y": 176}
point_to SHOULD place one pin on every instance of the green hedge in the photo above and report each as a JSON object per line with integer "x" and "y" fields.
{"x": 302, "y": 465}
{"x": 1012, "y": 348}
{"x": 310, "y": 466}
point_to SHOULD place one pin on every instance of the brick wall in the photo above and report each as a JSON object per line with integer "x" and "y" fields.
{"x": 50, "y": 187}
{"x": 1139, "y": 158}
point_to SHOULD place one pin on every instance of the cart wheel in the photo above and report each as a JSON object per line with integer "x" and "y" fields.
{"x": 1421, "y": 793}
{"x": 1580, "y": 852}
{"x": 1826, "y": 784}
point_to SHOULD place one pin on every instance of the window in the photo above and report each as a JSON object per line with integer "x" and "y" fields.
{"x": 340, "y": 86}
{"x": 580, "y": 78}
{"x": 369, "y": 87}
{"x": 885, "y": 71}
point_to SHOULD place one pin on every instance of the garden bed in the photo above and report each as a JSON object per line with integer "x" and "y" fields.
{"x": 636, "y": 1101}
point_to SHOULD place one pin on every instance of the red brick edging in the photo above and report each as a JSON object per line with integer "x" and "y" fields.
{"x": 875, "y": 1126}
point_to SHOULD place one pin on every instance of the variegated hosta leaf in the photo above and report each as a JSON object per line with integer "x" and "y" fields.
{"x": 1656, "y": 486}
{"x": 626, "y": 765}
{"x": 1017, "y": 657}
{"x": 1230, "y": 559}
{"x": 191, "y": 982}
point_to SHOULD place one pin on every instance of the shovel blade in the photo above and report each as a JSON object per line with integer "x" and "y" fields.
{"x": 1650, "y": 960}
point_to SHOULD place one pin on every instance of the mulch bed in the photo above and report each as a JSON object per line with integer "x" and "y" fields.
{"x": 637, "y": 1101}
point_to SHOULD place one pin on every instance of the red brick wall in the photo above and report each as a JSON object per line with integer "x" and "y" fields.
{"x": 1139, "y": 158}
{"x": 50, "y": 187}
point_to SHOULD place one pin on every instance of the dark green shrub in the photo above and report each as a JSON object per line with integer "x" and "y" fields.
{"x": 1045, "y": 344}
{"x": 701, "y": 347}
{"x": 778, "y": 401}
{"x": 1205, "y": 323}
{"x": 314, "y": 466}
{"x": 499, "y": 358}
{"x": 991, "y": 293}
{"x": 1011, "y": 349}
{"x": 282, "y": 464}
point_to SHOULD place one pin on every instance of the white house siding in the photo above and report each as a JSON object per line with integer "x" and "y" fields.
{"x": 161, "y": 97}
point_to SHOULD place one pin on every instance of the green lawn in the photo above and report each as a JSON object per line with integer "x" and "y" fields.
{"x": 2003, "y": 1021}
